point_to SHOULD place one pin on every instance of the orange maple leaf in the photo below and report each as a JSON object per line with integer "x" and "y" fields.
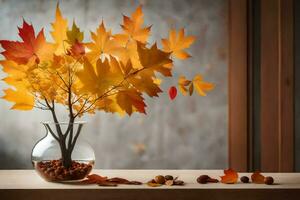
{"x": 133, "y": 26}
{"x": 32, "y": 46}
{"x": 177, "y": 43}
{"x": 257, "y": 177}
{"x": 130, "y": 100}
{"x": 230, "y": 177}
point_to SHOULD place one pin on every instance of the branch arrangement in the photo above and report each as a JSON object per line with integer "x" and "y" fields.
{"x": 111, "y": 72}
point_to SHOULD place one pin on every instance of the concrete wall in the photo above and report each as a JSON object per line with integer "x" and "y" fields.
{"x": 187, "y": 133}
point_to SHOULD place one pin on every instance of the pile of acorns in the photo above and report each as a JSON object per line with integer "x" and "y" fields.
{"x": 164, "y": 180}
{"x": 54, "y": 170}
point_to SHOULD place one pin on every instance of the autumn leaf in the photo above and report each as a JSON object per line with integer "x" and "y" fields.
{"x": 32, "y": 46}
{"x": 94, "y": 178}
{"x": 230, "y": 176}
{"x": 201, "y": 86}
{"x": 182, "y": 84}
{"x": 133, "y": 27}
{"x": 77, "y": 49}
{"x": 103, "y": 43}
{"x": 154, "y": 59}
{"x": 177, "y": 43}
{"x": 21, "y": 98}
{"x": 144, "y": 83}
{"x": 74, "y": 35}
{"x": 98, "y": 79}
{"x": 172, "y": 92}
{"x": 59, "y": 33}
{"x": 130, "y": 100}
{"x": 257, "y": 177}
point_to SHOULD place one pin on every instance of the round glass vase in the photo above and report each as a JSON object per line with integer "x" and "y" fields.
{"x": 61, "y": 155}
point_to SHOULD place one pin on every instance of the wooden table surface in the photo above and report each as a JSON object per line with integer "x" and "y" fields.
{"x": 26, "y": 184}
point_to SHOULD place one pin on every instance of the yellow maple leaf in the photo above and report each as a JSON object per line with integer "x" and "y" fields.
{"x": 201, "y": 86}
{"x": 154, "y": 59}
{"x": 133, "y": 27}
{"x": 104, "y": 44}
{"x": 177, "y": 43}
{"x": 21, "y": 98}
{"x": 131, "y": 100}
{"x": 105, "y": 75}
{"x": 59, "y": 33}
{"x": 74, "y": 35}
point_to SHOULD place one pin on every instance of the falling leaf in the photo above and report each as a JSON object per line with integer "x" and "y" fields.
{"x": 230, "y": 176}
{"x": 257, "y": 177}
{"x": 182, "y": 84}
{"x": 177, "y": 43}
{"x": 32, "y": 46}
{"x": 172, "y": 92}
{"x": 139, "y": 148}
{"x": 201, "y": 86}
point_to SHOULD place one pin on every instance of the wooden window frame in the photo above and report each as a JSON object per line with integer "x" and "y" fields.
{"x": 277, "y": 85}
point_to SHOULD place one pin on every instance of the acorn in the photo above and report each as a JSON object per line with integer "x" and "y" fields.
{"x": 160, "y": 179}
{"x": 168, "y": 177}
{"x": 269, "y": 180}
{"x": 245, "y": 179}
{"x": 203, "y": 179}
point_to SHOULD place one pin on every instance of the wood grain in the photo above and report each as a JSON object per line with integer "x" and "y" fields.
{"x": 238, "y": 86}
{"x": 277, "y": 105}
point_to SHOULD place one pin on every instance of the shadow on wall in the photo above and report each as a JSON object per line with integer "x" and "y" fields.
{"x": 12, "y": 160}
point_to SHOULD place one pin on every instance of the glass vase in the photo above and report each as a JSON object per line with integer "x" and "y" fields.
{"x": 61, "y": 155}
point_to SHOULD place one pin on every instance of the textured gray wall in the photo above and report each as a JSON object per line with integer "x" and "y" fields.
{"x": 187, "y": 133}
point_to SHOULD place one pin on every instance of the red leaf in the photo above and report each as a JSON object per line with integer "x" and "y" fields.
{"x": 31, "y": 46}
{"x": 77, "y": 49}
{"x": 172, "y": 92}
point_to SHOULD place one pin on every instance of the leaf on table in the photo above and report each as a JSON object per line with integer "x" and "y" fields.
{"x": 230, "y": 177}
{"x": 123, "y": 181}
{"x": 107, "y": 183}
{"x": 94, "y": 178}
{"x": 257, "y": 177}
{"x": 151, "y": 184}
